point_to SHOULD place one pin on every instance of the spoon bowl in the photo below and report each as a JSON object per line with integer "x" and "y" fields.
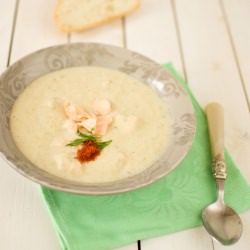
{"x": 221, "y": 221}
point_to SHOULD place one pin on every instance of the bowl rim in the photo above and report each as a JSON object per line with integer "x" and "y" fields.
{"x": 79, "y": 188}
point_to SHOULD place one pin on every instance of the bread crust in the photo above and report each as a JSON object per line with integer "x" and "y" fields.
{"x": 69, "y": 29}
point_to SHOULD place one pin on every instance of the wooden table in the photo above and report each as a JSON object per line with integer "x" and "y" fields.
{"x": 206, "y": 40}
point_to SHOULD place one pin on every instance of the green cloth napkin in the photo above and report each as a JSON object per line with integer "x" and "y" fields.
{"x": 172, "y": 204}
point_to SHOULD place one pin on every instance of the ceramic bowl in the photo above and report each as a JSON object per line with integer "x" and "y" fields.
{"x": 23, "y": 72}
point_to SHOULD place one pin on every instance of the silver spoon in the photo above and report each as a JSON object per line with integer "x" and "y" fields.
{"x": 221, "y": 221}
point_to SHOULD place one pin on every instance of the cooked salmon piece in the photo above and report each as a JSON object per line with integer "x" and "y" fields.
{"x": 102, "y": 124}
{"x": 89, "y": 124}
{"x": 97, "y": 123}
{"x": 101, "y": 106}
{"x": 74, "y": 112}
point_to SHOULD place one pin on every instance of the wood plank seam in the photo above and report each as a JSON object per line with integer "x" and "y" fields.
{"x": 178, "y": 34}
{"x": 124, "y": 37}
{"x": 12, "y": 32}
{"x": 232, "y": 43}
{"x": 139, "y": 245}
{"x": 68, "y": 38}
{"x": 213, "y": 244}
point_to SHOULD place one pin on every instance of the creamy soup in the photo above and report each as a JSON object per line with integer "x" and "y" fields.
{"x": 138, "y": 123}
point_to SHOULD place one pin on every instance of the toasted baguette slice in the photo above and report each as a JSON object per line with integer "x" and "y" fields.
{"x": 78, "y": 15}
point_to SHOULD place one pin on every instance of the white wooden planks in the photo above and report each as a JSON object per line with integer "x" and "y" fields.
{"x": 7, "y": 12}
{"x": 25, "y": 223}
{"x": 193, "y": 239}
{"x": 213, "y": 76}
{"x": 35, "y": 28}
{"x": 212, "y": 70}
{"x": 25, "y": 220}
{"x": 109, "y": 33}
{"x": 238, "y": 17}
{"x": 151, "y": 31}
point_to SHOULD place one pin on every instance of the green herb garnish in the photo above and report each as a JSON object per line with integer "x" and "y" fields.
{"x": 89, "y": 137}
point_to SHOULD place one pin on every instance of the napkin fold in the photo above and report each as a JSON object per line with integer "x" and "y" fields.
{"x": 172, "y": 204}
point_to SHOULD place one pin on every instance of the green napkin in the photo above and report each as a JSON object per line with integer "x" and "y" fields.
{"x": 172, "y": 204}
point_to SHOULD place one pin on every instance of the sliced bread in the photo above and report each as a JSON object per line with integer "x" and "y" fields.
{"x": 78, "y": 15}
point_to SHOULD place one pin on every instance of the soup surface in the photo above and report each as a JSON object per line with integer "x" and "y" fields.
{"x": 138, "y": 123}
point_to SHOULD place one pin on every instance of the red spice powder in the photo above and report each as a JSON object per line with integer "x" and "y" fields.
{"x": 88, "y": 152}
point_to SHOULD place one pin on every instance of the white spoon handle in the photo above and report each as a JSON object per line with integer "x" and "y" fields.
{"x": 215, "y": 121}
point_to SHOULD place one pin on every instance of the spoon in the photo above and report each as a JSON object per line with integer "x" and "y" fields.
{"x": 221, "y": 221}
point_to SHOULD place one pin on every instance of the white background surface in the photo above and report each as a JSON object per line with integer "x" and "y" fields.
{"x": 206, "y": 40}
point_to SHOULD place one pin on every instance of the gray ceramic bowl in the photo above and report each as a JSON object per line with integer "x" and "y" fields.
{"x": 20, "y": 74}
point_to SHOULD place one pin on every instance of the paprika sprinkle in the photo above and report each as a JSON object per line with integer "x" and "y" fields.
{"x": 88, "y": 152}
